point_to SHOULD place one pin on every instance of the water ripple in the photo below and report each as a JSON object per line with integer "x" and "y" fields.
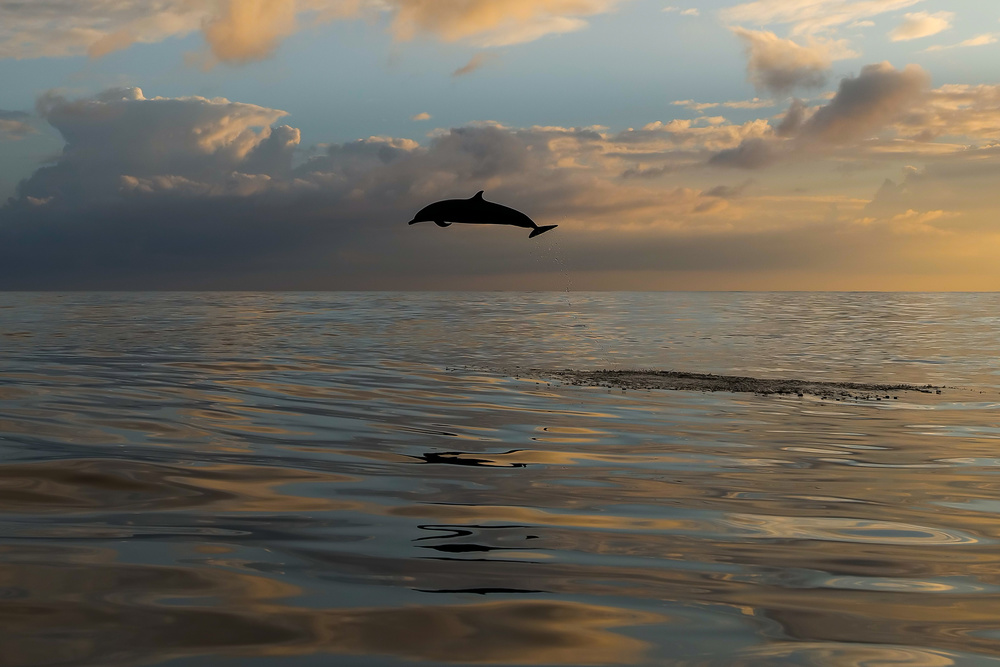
{"x": 291, "y": 478}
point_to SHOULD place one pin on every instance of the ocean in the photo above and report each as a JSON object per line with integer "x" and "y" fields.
{"x": 308, "y": 479}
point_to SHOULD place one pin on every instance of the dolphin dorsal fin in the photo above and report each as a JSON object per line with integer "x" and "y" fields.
{"x": 478, "y": 195}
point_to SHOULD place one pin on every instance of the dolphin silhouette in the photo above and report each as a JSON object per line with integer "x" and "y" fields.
{"x": 476, "y": 211}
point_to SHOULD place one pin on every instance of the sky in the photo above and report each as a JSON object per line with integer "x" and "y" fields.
{"x": 700, "y": 145}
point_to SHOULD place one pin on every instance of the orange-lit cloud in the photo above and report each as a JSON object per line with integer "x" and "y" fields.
{"x": 921, "y": 24}
{"x": 979, "y": 40}
{"x": 246, "y": 30}
{"x": 240, "y": 31}
{"x": 755, "y": 103}
{"x": 492, "y": 22}
{"x": 810, "y": 16}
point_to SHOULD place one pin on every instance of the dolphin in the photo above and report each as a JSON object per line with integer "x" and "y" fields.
{"x": 476, "y": 211}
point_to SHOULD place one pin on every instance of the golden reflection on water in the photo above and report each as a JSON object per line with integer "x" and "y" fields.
{"x": 119, "y": 614}
{"x": 236, "y": 485}
{"x": 83, "y": 485}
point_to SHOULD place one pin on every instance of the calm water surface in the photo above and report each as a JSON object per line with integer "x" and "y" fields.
{"x": 316, "y": 479}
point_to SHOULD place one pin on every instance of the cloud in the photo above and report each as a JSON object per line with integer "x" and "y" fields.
{"x": 956, "y": 110}
{"x": 780, "y": 65}
{"x": 866, "y": 103}
{"x": 647, "y": 172}
{"x": 793, "y": 120}
{"x": 202, "y": 193}
{"x": 755, "y": 103}
{"x": 59, "y": 28}
{"x": 879, "y": 98}
{"x": 810, "y": 16}
{"x": 248, "y": 30}
{"x": 194, "y": 192}
{"x": 492, "y": 22}
{"x": 421, "y": 116}
{"x": 476, "y": 62}
{"x": 921, "y": 24}
{"x": 120, "y": 133}
{"x": 683, "y": 12}
{"x": 978, "y": 40}
{"x": 14, "y": 125}
{"x": 168, "y": 189}
{"x": 728, "y": 191}
{"x": 752, "y": 153}
{"x": 683, "y": 136}
{"x": 959, "y": 184}
{"x": 241, "y": 31}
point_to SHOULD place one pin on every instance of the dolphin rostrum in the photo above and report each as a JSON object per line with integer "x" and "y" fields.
{"x": 476, "y": 211}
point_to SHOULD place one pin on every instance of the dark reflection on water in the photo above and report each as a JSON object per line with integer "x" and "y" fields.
{"x": 300, "y": 478}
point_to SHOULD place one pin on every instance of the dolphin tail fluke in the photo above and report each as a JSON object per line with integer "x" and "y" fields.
{"x": 540, "y": 230}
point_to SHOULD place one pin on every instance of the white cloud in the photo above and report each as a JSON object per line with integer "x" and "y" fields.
{"x": 683, "y": 12}
{"x": 492, "y": 23}
{"x": 810, "y": 16}
{"x": 421, "y": 116}
{"x": 978, "y": 40}
{"x": 921, "y": 24}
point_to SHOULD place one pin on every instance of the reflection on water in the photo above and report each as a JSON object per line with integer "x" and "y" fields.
{"x": 84, "y": 607}
{"x": 286, "y": 479}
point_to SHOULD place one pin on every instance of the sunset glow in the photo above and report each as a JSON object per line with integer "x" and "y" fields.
{"x": 283, "y": 144}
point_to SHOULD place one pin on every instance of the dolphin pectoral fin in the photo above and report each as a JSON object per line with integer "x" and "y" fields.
{"x": 442, "y": 223}
{"x": 413, "y": 222}
{"x": 540, "y": 230}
